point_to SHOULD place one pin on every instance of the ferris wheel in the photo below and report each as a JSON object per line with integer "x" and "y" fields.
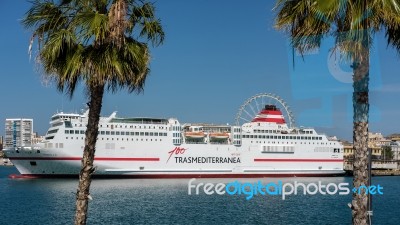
{"x": 252, "y": 106}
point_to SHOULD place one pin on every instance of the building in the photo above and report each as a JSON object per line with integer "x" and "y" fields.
{"x": 1, "y": 143}
{"x": 348, "y": 155}
{"x": 18, "y": 132}
{"x": 378, "y": 140}
{"x": 36, "y": 138}
{"x": 348, "y": 152}
{"x": 396, "y": 149}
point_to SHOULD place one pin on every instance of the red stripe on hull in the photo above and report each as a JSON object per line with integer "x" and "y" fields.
{"x": 79, "y": 158}
{"x": 180, "y": 176}
{"x": 298, "y": 160}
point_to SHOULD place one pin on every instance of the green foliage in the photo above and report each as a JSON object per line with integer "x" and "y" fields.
{"x": 97, "y": 42}
{"x": 352, "y": 23}
{"x": 387, "y": 153}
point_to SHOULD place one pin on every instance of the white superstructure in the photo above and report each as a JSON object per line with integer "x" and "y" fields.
{"x": 164, "y": 148}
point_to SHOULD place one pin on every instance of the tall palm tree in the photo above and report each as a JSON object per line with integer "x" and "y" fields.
{"x": 353, "y": 24}
{"x": 102, "y": 44}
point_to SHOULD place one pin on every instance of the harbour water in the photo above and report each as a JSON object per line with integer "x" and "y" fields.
{"x": 141, "y": 201}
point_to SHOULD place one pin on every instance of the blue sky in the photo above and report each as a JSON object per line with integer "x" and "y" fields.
{"x": 217, "y": 53}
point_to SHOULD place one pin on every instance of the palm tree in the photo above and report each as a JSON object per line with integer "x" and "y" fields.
{"x": 101, "y": 43}
{"x": 353, "y": 24}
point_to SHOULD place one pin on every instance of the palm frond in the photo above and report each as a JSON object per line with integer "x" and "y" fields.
{"x": 91, "y": 26}
{"x": 142, "y": 18}
{"x": 92, "y": 41}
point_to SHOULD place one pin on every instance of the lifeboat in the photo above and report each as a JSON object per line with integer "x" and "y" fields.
{"x": 219, "y": 136}
{"x": 194, "y": 135}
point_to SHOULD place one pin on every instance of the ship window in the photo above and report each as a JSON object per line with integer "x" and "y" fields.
{"x": 102, "y": 132}
{"x": 146, "y": 133}
{"x": 52, "y": 131}
{"x": 68, "y": 124}
{"x": 137, "y": 133}
{"x": 76, "y": 131}
{"x": 33, "y": 163}
{"x": 55, "y": 118}
{"x": 82, "y": 132}
{"x": 112, "y": 132}
{"x": 61, "y": 145}
{"x": 67, "y": 131}
{"x": 107, "y": 132}
{"x": 141, "y": 133}
{"x": 117, "y": 133}
{"x": 122, "y": 132}
{"x": 155, "y": 134}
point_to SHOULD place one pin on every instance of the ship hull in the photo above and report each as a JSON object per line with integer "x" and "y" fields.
{"x": 158, "y": 148}
{"x": 188, "y": 161}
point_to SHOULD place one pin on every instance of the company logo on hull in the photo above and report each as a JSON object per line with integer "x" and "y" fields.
{"x": 198, "y": 159}
{"x": 176, "y": 151}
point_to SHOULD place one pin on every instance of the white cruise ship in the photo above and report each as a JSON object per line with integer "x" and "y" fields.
{"x": 142, "y": 147}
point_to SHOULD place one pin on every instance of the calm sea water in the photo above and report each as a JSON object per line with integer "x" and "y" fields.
{"x": 141, "y": 201}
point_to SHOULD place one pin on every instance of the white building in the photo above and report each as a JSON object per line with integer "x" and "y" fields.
{"x": 396, "y": 150}
{"x": 378, "y": 140}
{"x": 18, "y": 132}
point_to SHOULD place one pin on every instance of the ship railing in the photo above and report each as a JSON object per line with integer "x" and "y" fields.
{"x": 219, "y": 143}
{"x": 195, "y": 142}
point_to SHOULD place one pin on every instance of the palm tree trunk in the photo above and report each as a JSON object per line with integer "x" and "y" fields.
{"x": 96, "y": 98}
{"x": 360, "y": 138}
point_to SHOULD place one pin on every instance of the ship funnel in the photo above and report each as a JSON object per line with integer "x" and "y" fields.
{"x": 270, "y": 114}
